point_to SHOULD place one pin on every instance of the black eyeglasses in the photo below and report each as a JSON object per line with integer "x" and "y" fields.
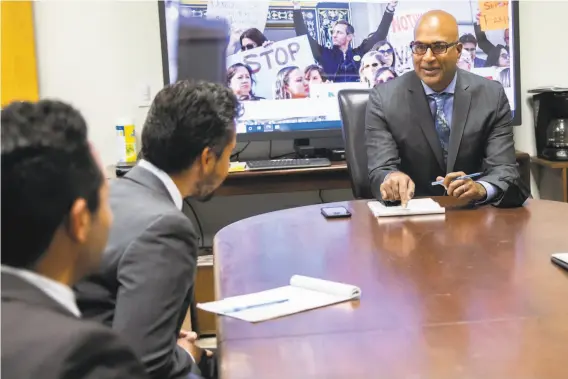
{"x": 248, "y": 46}
{"x": 386, "y": 51}
{"x": 436, "y": 47}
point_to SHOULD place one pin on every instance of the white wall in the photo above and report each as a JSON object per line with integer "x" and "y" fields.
{"x": 544, "y": 57}
{"x": 98, "y": 54}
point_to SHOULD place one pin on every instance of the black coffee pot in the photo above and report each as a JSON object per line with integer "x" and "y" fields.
{"x": 550, "y": 107}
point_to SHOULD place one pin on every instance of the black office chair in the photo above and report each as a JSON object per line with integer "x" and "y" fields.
{"x": 352, "y": 107}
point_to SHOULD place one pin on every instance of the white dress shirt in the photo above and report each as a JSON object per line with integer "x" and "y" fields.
{"x": 57, "y": 291}
{"x": 168, "y": 182}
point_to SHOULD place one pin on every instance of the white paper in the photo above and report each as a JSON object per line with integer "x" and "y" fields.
{"x": 240, "y": 15}
{"x": 326, "y": 286}
{"x": 424, "y": 206}
{"x": 561, "y": 256}
{"x": 298, "y": 298}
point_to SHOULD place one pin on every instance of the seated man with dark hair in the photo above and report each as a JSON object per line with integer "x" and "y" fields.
{"x": 55, "y": 223}
{"x": 143, "y": 287}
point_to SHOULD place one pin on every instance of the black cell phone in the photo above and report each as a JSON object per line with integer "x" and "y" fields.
{"x": 561, "y": 259}
{"x": 390, "y": 203}
{"x": 335, "y": 212}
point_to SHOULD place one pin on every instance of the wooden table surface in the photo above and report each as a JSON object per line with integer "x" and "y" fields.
{"x": 470, "y": 295}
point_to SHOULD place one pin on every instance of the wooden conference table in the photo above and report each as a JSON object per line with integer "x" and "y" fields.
{"x": 472, "y": 295}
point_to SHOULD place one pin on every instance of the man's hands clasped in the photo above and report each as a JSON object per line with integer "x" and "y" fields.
{"x": 187, "y": 340}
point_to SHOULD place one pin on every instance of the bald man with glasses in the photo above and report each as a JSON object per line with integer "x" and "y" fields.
{"x": 439, "y": 123}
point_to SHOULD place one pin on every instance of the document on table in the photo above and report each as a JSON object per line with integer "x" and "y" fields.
{"x": 424, "y": 206}
{"x": 302, "y": 294}
{"x": 561, "y": 259}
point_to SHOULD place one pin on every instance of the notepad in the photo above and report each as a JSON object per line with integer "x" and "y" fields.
{"x": 414, "y": 207}
{"x": 561, "y": 259}
{"x": 303, "y": 293}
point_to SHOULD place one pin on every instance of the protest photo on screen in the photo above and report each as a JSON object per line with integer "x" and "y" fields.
{"x": 287, "y": 60}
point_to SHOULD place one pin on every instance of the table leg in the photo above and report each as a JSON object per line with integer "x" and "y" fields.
{"x": 565, "y": 184}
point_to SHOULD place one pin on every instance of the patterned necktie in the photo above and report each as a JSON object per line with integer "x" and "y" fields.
{"x": 441, "y": 122}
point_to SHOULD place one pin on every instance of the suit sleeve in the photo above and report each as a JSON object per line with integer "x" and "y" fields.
{"x": 382, "y": 151}
{"x": 155, "y": 275}
{"x": 301, "y": 29}
{"x": 379, "y": 35}
{"x": 101, "y": 354}
{"x": 484, "y": 44}
{"x": 500, "y": 163}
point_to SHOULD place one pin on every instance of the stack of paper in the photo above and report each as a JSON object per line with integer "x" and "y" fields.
{"x": 302, "y": 294}
{"x": 425, "y": 206}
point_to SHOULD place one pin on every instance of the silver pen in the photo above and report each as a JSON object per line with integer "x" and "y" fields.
{"x": 252, "y": 306}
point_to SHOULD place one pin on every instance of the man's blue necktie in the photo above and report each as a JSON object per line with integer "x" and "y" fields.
{"x": 441, "y": 121}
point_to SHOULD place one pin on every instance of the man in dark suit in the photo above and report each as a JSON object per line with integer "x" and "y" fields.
{"x": 55, "y": 222}
{"x": 143, "y": 286}
{"x": 441, "y": 123}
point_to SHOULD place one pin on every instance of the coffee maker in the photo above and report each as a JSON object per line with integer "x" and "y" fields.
{"x": 550, "y": 105}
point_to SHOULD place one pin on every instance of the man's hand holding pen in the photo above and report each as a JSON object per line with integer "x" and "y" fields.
{"x": 462, "y": 186}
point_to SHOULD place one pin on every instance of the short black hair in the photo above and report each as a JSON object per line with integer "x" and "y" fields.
{"x": 348, "y": 27}
{"x": 184, "y": 119}
{"x": 253, "y": 34}
{"x": 468, "y": 38}
{"x": 47, "y": 164}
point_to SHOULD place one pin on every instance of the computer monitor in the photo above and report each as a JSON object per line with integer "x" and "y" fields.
{"x": 287, "y": 60}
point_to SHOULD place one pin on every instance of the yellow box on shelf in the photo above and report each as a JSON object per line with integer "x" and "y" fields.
{"x": 126, "y": 140}
{"x": 237, "y": 166}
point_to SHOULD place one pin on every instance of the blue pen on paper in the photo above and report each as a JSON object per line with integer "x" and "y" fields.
{"x": 470, "y": 176}
{"x": 252, "y": 306}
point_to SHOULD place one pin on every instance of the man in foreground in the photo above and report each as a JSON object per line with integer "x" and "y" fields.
{"x": 441, "y": 123}
{"x": 55, "y": 222}
{"x": 143, "y": 286}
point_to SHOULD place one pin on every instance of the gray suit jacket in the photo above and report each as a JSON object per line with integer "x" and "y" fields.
{"x": 401, "y": 136}
{"x": 143, "y": 286}
{"x": 42, "y": 339}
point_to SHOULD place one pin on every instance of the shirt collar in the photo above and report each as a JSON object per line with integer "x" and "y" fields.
{"x": 451, "y": 88}
{"x": 57, "y": 291}
{"x": 166, "y": 180}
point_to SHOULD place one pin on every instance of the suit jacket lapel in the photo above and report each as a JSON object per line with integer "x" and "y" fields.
{"x": 422, "y": 115}
{"x": 462, "y": 101}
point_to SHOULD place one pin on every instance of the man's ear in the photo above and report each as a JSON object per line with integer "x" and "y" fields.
{"x": 205, "y": 156}
{"x": 459, "y": 48}
{"x": 79, "y": 221}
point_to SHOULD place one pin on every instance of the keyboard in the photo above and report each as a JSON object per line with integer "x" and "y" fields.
{"x": 283, "y": 164}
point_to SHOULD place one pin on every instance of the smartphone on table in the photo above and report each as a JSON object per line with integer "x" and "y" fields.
{"x": 335, "y": 212}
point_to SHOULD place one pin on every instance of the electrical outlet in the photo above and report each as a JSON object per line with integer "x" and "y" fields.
{"x": 145, "y": 95}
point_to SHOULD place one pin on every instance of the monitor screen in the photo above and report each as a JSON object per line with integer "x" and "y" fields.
{"x": 287, "y": 60}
